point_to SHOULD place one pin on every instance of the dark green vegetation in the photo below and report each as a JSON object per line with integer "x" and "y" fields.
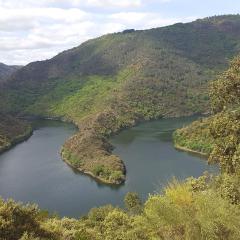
{"x": 203, "y": 208}
{"x": 195, "y": 209}
{"x": 12, "y": 131}
{"x": 218, "y": 135}
{"x": 6, "y": 71}
{"x": 195, "y": 137}
{"x": 206, "y": 208}
{"x": 117, "y": 80}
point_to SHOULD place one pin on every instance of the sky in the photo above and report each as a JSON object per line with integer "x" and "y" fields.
{"x": 32, "y": 30}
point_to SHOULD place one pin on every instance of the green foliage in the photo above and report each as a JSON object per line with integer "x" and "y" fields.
{"x": 97, "y": 215}
{"x": 225, "y": 130}
{"x": 117, "y": 176}
{"x": 99, "y": 170}
{"x": 133, "y": 202}
{"x": 71, "y": 158}
{"x": 228, "y": 186}
{"x": 225, "y": 91}
{"x": 181, "y": 212}
{"x": 220, "y": 133}
{"x": 184, "y": 215}
{"x": 196, "y": 137}
{"x": 106, "y": 173}
{"x": 77, "y": 98}
{"x": 27, "y": 236}
{"x": 225, "y": 125}
{"x": 200, "y": 184}
{"x": 17, "y": 220}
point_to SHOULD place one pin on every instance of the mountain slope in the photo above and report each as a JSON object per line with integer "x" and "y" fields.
{"x": 6, "y": 71}
{"x": 203, "y": 208}
{"x": 117, "y": 80}
{"x": 218, "y": 135}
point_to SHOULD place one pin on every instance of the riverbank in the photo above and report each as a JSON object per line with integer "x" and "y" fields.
{"x": 146, "y": 148}
{"x": 185, "y": 149}
{"x": 12, "y": 132}
{"x": 90, "y": 174}
{"x": 90, "y": 152}
{"x": 195, "y": 138}
{"x": 17, "y": 140}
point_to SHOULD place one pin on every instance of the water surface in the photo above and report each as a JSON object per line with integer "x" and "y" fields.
{"x": 34, "y": 172}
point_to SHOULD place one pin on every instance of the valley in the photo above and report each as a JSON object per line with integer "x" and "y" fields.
{"x": 147, "y": 150}
{"x": 133, "y": 135}
{"x": 118, "y": 80}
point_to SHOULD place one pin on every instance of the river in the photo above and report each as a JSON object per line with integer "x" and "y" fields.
{"x": 33, "y": 170}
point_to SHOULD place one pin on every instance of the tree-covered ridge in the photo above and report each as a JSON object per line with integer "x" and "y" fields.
{"x": 12, "y": 131}
{"x": 220, "y": 131}
{"x": 113, "y": 82}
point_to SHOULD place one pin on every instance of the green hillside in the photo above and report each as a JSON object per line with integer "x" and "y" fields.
{"x": 206, "y": 208}
{"x": 218, "y": 135}
{"x": 12, "y": 131}
{"x": 113, "y": 82}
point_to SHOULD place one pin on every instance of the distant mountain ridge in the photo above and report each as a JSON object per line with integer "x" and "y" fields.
{"x": 114, "y": 81}
{"x": 109, "y": 53}
{"x": 6, "y": 71}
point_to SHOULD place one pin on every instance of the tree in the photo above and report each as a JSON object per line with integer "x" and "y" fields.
{"x": 133, "y": 202}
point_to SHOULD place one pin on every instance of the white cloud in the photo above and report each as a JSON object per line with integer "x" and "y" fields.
{"x": 71, "y": 3}
{"x": 143, "y": 20}
{"x": 130, "y": 18}
{"x": 114, "y": 3}
{"x": 35, "y": 30}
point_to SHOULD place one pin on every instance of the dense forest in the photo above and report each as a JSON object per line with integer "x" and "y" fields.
{"x": 117, "y": 80}
{"x": 203, "y": 208}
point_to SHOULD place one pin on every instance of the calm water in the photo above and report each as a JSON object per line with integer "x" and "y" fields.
{"x": 34, "y": 172}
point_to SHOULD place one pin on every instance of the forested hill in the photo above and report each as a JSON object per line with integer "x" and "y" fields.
{"x": 114, "y": 81}
{"x": 6, "y": 71}
{"x": 175, "y": 59}
{"x": 206, "y": 208}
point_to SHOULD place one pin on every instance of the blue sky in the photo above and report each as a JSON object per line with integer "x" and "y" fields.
{"x": 33, "y": 30}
